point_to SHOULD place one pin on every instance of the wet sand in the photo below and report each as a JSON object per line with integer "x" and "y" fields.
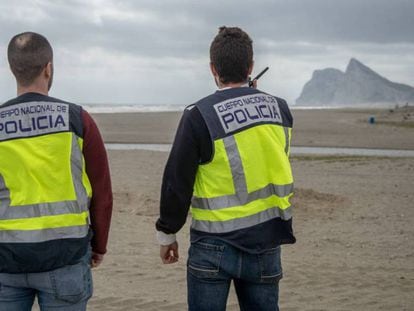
{"x": 322, "y": 128}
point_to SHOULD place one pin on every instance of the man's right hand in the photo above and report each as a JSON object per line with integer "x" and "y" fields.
{"x": 96, "y": 259}
{"x": 169, "y": 253}
{"x": 254, "y": 84}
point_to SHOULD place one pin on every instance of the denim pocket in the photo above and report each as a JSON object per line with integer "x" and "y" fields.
{"x": 204, "y": 259}
{"x": 270, "y": 266}
{"x": 72, "y": 283}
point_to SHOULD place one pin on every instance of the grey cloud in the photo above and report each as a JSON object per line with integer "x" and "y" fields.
{"x": 322, "y": 20}
{"x": 185, "y": 28}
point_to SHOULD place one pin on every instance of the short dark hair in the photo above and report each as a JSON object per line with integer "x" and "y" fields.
{"x": 28, "y": 53}
{"x": 231, "y": 53}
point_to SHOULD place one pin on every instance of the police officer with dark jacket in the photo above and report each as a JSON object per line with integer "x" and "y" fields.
{"x": 230, "y": 165}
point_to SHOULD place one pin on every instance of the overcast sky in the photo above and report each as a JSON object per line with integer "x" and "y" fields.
{"x": 156, "y": 52}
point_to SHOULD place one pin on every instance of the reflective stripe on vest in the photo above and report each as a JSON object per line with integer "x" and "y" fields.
{"x": 44, "y": 189}
{"x": 248, "y": 181}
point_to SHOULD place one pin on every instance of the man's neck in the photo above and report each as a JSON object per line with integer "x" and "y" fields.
{"x": 231, "y": 85}
{"x": 32, "y": 89}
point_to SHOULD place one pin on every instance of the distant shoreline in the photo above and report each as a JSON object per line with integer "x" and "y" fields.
{"x": 348, "y": 128}
{"x": 139, "y": 108}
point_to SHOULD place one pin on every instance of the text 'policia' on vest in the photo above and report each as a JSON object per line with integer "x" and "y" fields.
{"x": 44, "y": 189}
{"x": 248, "y": 180}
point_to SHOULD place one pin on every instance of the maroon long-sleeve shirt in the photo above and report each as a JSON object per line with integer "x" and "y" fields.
{"x": 97, "y": 169}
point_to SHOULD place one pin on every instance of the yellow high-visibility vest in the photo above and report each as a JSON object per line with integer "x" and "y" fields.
{"x": 248, "y": 180}
{"x": 44, "y": 190}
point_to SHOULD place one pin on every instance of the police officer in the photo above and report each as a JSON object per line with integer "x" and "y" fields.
{"x": 230, "y": 165}
{"x": 55, "y": 189}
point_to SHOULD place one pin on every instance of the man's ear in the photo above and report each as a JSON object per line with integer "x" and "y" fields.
{"x": 213, "y": 70}
{"x": 49, "y": 70}
{"x": 249, "y": 72}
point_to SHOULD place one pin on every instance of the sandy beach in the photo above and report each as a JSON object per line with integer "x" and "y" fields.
{"x": 353, "y": 218}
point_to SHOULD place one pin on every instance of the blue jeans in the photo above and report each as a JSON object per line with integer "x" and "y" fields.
{"x": 213, "y": 264}
{"x": 65, "y": 289}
